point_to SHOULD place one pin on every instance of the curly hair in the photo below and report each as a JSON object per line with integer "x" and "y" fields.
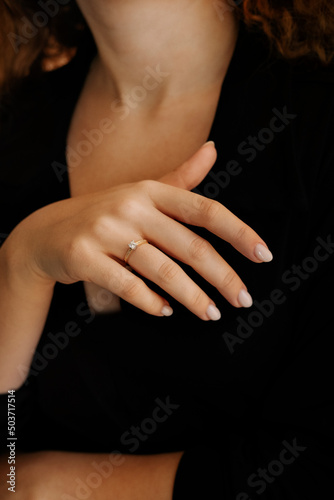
{"x": 296, "y": 28}
{"x": 34, "y": 38}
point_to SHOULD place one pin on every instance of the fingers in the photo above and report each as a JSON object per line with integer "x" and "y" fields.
{"x": 110, "y": 275}
{"x": 174, "y": 202}
{"x": 194, "y": 170}
{"x": 198, "y": 210}
{"x": 184, "y": 245}
{"x": 160, "y": 269}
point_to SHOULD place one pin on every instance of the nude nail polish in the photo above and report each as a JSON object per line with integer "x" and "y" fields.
{"x": 207, "y": 143}
{"x": 167, "y": 311}
{"x": 263, "y": 253}
{"x": 244, "y": 299}
{"x": 213, "y": 313}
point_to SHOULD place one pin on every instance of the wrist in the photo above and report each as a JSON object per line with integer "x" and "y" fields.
{"x": 17, "y": 269}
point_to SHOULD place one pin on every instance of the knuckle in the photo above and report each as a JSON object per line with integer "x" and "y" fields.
{"x": 199, "y": 248}
{"x": 77, "y": 258}
{"x": 229, "y": 279}
{"x": 242, "y": 233}
{"x": 101, "y": 225}
{"x": 196, "y": 301}
{"x": 146, "y": 185}
{"x": 129, "y": 207}
{"x": 130, "y": 289}
{"x": 208, "y": 208}
{"x": 77, "y": 249}
{"x": 168, "y": 271}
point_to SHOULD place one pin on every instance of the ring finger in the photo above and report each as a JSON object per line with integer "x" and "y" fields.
{"x": 186, "y": 246}
{"x": 156, "y": 266}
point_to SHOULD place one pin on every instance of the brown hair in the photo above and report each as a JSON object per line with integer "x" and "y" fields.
{"x": 36, "y": 38}
{"x": 296, "y": 28}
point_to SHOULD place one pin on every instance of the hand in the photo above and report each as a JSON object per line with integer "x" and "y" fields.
{"x": 85, "y": 239}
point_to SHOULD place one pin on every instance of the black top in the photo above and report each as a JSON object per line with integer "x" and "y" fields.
{"x": 250, "y": 396}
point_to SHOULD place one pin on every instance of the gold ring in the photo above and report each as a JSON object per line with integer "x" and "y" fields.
{"x": 132, "y": 246}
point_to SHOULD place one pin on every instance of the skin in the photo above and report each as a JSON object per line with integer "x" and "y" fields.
{"x": 124, "y": 36}
{"x": 145, "y": 194}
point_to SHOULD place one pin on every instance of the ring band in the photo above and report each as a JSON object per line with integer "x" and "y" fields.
{"x": 132, "y": 246}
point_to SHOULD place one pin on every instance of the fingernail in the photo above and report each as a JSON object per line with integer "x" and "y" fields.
{"x": 213, "y": 313}
{"x": 263, "y": 253}
{"x": 207, "y": 143}
{"x": 245, "y": 300}
{"x": 167, "y": 311}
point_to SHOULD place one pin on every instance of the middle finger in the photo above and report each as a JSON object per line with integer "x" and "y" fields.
{"x": 186, "y": 246}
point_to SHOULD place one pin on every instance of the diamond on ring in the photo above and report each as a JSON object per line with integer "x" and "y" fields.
{"x": 132, "y": 246}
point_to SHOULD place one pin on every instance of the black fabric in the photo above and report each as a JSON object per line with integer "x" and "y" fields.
{"x": 199, "y": 474}
{"x": 247, "y": 387}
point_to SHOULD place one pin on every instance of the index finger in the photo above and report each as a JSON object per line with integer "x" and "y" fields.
{"x": 197, "y": 210}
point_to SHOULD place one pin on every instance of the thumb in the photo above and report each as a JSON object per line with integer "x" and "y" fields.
{"x": 192, "y": 171}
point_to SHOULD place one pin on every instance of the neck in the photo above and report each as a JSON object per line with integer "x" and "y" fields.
{"x": 182, "y": 45}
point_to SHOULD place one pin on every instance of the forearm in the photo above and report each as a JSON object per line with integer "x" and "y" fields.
{"x": 68, "y": 476}
{"x": 24, "y": 305}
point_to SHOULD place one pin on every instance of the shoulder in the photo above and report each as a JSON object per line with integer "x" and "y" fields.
{"x": 305, "y": 87}
{"x": 36, "y": 95}
{"x": 277, "y": 115}
{"x": 36, "y": 116}
{"x": 256, "y": 53}
{"x": 28, "y": 122}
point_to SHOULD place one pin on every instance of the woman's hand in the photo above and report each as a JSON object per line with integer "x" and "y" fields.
{"x": 85, "y": 239}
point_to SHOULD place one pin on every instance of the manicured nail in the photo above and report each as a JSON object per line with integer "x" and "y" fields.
{"x": 245, "y": 300}
{"x": 167, "y": 311}
{"x": 213, "y": 313}
{"x": 263, "y": 253}
{"x": 207, "y": 143}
